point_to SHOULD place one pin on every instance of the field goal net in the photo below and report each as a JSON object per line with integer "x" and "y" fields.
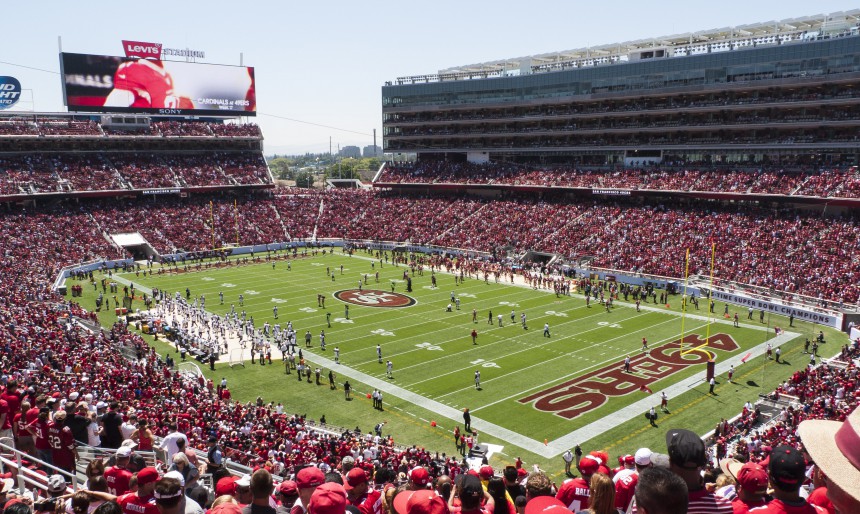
{"x": 237, "y": 358}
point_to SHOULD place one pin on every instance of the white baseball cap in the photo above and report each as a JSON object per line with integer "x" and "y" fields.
{"x": 642, "y": 457}
{"x": 178, "y": 476}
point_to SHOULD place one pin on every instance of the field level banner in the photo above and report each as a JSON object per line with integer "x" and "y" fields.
{"x": 800, "y": 313}
{"x": 101, "y": 83}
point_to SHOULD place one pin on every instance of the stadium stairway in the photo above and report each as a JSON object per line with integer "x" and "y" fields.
{"x": 551, "y": 237}
{"x": 462, "y": 221}
{"x": 120, "y": 250}
{"x": 287, "y": 236}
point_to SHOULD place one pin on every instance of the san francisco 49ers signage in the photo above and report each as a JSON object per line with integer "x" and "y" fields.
{"x": 374, "y": 298}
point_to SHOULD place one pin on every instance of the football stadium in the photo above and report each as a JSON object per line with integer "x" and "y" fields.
{"x": 562, "y": 257}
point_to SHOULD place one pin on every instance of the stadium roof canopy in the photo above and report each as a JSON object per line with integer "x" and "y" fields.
{"x": 806, "y": 28}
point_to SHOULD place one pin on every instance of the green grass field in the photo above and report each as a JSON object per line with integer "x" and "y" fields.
{"x": 434, "y": 357}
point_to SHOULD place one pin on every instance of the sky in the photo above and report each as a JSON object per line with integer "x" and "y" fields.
{"x": 320, "y": 64}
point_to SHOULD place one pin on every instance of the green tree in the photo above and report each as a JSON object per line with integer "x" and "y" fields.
{"x": 281, "y": 168}
{"x": 304, "y": 179}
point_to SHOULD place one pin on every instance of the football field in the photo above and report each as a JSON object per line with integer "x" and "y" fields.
{"x": 542, "y": 393}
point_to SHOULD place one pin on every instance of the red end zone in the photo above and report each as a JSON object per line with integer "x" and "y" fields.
{"x": 374, "y": 298}
{"x": 590, "y": 391}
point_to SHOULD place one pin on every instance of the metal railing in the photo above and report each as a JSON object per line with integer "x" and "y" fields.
{"x": 11, "y": 459}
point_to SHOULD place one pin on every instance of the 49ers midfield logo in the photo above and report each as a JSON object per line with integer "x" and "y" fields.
{"x": 374, "y": 298}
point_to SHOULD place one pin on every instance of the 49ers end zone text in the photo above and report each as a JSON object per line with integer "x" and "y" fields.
{"x": 588, "y": 392}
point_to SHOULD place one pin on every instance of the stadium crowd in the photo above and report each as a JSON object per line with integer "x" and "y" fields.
{"x": 752, "y": 242}
{"x": 51, "y": 359}
{"x": 60, "y": 126}
{"x": 835, "y": 182}
{"x": 73, "y": 172}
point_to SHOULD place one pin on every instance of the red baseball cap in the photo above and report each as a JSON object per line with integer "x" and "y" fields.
{"x": 423, "y": 501}
{"x": 226, "y": 485}
{"x": 752, "y": 477}
{"x": 288, "y": 488}
{"x": 521, "y": 472}
{"x": 354, "y": 478}
{"x": 545, "y": 505}
{"x": 419, "y": 476}
{"x": 309, "y": 477}
{"x": 486, "y": 472}
{"x": 588, "y": 466}
{"x": 147, "y": 475}
{"x": 329, "y": 498}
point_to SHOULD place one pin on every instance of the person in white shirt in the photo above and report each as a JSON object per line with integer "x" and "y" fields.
{"x": 128, "y": 427}
{"x": 93, "y": 431}
{"x": 168, "y": 444}
{"x": 567, "y": 457}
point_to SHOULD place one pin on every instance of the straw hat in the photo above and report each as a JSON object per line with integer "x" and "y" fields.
{"x": 835, "y": 447}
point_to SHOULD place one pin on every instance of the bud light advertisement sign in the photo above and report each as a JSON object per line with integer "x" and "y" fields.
{"x": 10, "y": 92}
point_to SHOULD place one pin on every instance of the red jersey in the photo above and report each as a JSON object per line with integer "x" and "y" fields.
{"x": 131, "y": 503}
{"x": 574, "y": 493}
{"x": 62, "y": 445}
{"x": 819, "y": 497}
{"x": 4, "y": 409}
{"x": 779, "y": 507}
{"x": 117, "y": 479}
{"x": 19, "y": 422}
{"x": 624, "y": 489}
{"x": 741, "y": 507}
{"x": 39, "y": 429}
{"x": 370, "y": 503}
{"x": 32, "y": 414}
{"x": 13, "y": 399}
{"x": 148, "y": 81}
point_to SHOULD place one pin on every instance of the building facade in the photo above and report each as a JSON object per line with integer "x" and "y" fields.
{"x": 770, "y": 93}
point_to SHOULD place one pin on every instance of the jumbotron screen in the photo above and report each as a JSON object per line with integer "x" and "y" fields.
{"x": 101, "y": 83}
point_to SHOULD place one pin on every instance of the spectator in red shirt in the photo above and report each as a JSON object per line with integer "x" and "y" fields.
{"x": 38, "y": 428}
{"x": 786, "y": 471}
{"x": 626, "y": 480}
{"x": 752, "y": 484}
{"x": 118, "y": 476}
{"x": 574, "y": 493}
{"x": 5, "y": 419}
{"x": 359, "y": 494}
{"x": 142, "y": 501}
{"x": 307, "y": 481}
{"x": 12, "y": 396}
{"x": 63, "y": 453}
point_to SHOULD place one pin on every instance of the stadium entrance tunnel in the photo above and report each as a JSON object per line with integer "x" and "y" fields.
{"x": 542, "y": 258}
{"x": 135, "y": 244}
